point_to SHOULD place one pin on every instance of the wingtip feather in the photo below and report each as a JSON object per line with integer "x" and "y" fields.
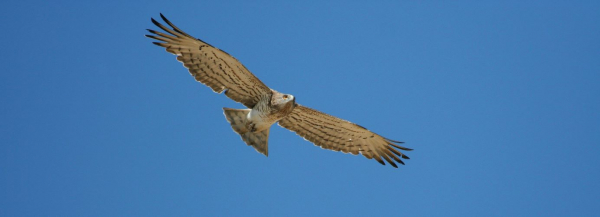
{"x": 400, "y": 147}
{"x": 378, "y": 159}
{"x": 159, "y": 44}
{"x": 154, "y": 21}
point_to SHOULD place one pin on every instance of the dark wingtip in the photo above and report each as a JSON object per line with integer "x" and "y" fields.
{"x": 159, "y": 44}
{"x": 400, "y": 147}
{"x": 394, "y": 141}
{"x": 164, "y": 18}
{"x": 155, "y": 22}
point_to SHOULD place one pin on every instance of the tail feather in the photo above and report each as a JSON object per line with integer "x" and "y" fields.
{"x": 237, "y": 118}
{"x": 259, "y": 140}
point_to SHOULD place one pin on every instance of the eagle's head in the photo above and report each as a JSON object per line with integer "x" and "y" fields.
{"x": 282, "y": 101}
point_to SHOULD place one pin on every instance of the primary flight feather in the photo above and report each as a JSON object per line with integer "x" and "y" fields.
{"x": 223, "y": 73}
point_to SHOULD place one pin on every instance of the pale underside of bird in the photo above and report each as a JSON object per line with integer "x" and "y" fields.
{"x": 223, "y": 73}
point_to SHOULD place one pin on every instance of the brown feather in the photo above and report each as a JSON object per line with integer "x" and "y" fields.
{"x": 336, "y": 134}
{"x": 211, "y": 66}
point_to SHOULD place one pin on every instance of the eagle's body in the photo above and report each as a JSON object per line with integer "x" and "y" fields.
{"x": 253, "y": 124}
{"x": 223, "y": 73}
{"x": 266, "y": 112}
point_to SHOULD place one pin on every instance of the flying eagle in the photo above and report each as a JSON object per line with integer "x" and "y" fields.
{"x": 223, "y": 73}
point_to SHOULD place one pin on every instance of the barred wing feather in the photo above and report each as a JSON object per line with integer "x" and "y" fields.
{"x": 336, "y": 134}
{"x": 211, "y": 66}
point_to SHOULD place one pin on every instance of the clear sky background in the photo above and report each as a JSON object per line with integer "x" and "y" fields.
{"x": 499, "y": 99}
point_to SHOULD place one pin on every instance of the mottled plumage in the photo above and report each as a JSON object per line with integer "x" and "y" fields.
{"x": 222, "y": 72}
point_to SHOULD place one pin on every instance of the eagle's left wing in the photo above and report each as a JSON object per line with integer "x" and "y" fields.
{"x": 337, "y": 134}
{"x": 211, "y": 66}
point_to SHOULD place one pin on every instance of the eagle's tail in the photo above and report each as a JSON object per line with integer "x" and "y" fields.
{"x": 237, "y": 118}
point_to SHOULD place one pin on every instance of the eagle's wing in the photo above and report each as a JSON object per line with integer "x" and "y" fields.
{"x": 210, "y": 65}
{"x": 340, "y": 135}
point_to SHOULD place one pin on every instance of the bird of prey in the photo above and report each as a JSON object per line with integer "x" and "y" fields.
{"x": 224, "y": 73}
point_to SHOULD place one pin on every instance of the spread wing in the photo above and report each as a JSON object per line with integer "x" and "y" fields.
{"x": 211, "y": 66}
{"x": 340, "y": 135}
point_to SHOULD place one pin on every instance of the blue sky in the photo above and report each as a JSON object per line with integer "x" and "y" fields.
{"x": 499, "y": 100}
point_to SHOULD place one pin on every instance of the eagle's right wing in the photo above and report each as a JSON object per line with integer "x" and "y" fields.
{"x": 210, "y": 65}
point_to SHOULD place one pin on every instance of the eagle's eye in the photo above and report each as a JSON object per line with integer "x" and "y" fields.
{"x": 285, "y": 96}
